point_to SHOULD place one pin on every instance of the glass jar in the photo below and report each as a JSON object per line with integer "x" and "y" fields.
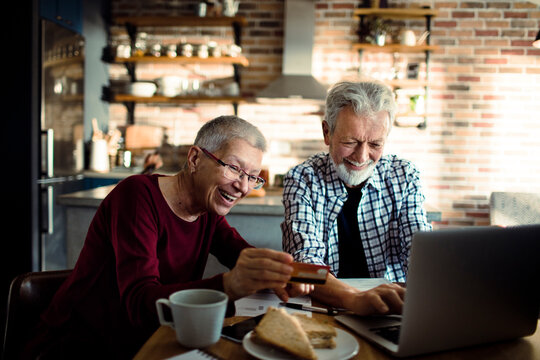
{"x": 123, "y": 51}
{"x": 214, "y": 49}
{"x": 155, "y": 50}
{"x": 202, "y": 51}
{"x": 171, "y": 50}
{"x": 140, "y": 44}
{"x": 187, "y": 50}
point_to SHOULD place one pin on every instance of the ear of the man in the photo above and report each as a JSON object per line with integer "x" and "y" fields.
{"x": 326, "y": 132}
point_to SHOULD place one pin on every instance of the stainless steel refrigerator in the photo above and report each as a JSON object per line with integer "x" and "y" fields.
{"x": 61, "y": 150}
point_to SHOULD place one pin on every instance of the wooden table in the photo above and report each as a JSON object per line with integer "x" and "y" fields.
{"x": 162, "y": 344}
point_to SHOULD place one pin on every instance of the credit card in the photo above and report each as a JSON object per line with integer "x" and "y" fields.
{"x": 309, "y": 273}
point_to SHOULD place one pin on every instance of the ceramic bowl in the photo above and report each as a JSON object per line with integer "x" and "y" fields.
{"x": 142, "y": 88}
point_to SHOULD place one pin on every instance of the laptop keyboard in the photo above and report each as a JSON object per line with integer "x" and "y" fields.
{"x": 390, "y": 333}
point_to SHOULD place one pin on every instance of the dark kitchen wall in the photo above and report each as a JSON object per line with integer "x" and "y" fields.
{"x": 19, "y": 101}
{"x": 20, "y": 120}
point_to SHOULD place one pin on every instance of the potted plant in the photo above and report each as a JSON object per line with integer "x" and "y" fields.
{"x": 378, "y": 30}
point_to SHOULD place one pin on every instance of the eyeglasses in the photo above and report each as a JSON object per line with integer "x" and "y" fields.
{"x": 233, "y": 172}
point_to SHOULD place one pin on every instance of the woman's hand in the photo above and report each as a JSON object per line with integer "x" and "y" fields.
{"x": 258, "y": 269}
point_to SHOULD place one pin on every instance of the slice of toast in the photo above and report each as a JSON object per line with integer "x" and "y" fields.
{"x": 282, "y": 330}
{"x": 321, "y": 334}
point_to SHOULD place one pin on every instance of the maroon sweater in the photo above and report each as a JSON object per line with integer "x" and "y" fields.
{"x": 137, "y": 251}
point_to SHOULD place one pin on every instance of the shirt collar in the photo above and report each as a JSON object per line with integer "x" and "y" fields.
{"x": 376, "y": 180}
{"x": 335, "y": 187}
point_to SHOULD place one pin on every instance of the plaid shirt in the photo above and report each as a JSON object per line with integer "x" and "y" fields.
{"x": 390, "y": 212}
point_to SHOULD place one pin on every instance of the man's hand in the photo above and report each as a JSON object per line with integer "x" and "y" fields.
{"x": 258, "y": 269}
{"x": 384, "y": 299}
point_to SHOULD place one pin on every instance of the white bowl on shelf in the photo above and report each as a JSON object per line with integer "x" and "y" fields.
{"x": 169, "y": 85}
{"x": 142, "y": 88}
{"x": 169, "y": 81}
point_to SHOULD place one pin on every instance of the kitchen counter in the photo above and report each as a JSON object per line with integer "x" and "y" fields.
{"x": 256, "y": 218}
{"x": 120, "y": 173}
{"x": 265, "y": 205}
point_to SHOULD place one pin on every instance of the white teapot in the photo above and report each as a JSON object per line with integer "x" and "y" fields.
{"x": 407, "y": 37}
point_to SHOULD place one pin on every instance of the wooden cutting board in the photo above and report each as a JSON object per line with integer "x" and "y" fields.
{"x": 257, "y": 193}
{"x": 143, "y": 137}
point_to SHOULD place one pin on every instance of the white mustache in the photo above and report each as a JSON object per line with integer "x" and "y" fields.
{"x": 365, "y": 163}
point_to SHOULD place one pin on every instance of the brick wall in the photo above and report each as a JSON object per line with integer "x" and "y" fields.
{"x": 483, "y": 108}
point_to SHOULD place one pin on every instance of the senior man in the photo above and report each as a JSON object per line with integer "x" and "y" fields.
{"x": 354, "y": 208}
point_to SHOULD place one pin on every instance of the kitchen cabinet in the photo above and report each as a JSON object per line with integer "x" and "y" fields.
{"x": 131, "y": 62}
{"x": 67, "y": 13}
{"x": 413, "y": 80}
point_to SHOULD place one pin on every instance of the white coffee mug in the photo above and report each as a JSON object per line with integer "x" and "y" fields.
{"x": 197, "y": 316}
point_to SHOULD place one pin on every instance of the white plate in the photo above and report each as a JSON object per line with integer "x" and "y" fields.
{"x": 346, "y": 348}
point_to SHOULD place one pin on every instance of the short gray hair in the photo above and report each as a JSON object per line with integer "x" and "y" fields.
{"x": 365, "y": 98}
{"x": 218, "y": 132}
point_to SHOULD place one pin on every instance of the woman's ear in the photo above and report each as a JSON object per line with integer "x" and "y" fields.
{"x": 193, "y": 158}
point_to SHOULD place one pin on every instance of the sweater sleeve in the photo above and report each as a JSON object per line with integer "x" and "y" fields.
{"x": 227, "y": 243}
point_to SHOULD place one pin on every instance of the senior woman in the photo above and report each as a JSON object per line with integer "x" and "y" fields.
{"x": 151, "y": 236}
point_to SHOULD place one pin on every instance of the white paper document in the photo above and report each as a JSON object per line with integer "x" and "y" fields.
{"x": 258, "y": 303}
{"x": 364, "y": 284}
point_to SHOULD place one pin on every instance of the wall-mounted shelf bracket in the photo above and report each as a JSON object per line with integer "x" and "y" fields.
{"x": 130, "y": 106}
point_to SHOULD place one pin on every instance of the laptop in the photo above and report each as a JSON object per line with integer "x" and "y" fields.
{"x": 465, "y": 287}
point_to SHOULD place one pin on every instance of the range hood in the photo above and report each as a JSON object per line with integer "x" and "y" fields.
{"x": 296, "y": 81}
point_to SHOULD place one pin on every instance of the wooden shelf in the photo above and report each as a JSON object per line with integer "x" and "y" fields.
{"x": 418, "y": 121}
{"x": 395, "y": 13}
{"x": 238, "y": 60}
{"x": 407, "y": 118}
{"x": 406, "y": 83}
{"x": 132, "y": 23}
{"x": 411, "y": 114}
{"x": 63, "y": 61}
{"x": 65, "y": 98}
{"x": 121, "y": 98}
{"x": 394, "y": 48}
{"x": 191, "y": 21}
